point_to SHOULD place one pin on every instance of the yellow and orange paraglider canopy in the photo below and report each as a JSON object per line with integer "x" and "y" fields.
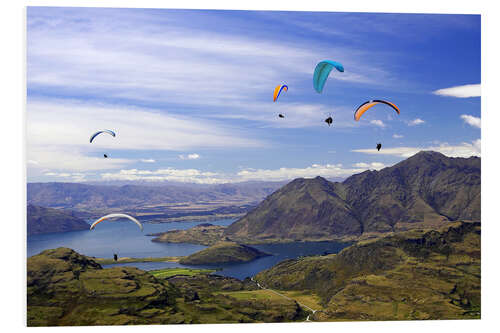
{"x": 366, "y": 105}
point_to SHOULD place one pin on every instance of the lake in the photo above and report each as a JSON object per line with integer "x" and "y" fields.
{"x": 126, "y": 239}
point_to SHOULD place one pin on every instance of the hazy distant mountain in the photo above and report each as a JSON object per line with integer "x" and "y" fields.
{"x": 44, "y": 220}
{"x": 96, "y": 197}
{"x": 425, "y": 188}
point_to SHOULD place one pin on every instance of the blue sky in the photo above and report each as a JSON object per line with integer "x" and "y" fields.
{"x": 189, "y": 93}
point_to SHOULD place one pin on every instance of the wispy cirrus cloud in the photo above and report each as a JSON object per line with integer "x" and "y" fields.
{"x": 147, "y": 160}
{"x": 471, "y": 120}
{"x": 397, "y": 136}
{"x": 464, "y": 149}
{"x": 65, "y": 160}
{"x": 58, "y": 135}
{"x": 70, "y": 123}
{"x": 465, "y": 91}
{"x": 82, "y": 53}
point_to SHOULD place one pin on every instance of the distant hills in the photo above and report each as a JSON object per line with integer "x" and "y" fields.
{"x": 84, "y": 197}
{"x": 427, "y": 189}
{"x": 45, "y": 220}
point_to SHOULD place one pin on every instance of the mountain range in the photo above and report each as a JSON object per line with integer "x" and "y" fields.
{"x": 427, "y": 189}
{"x": 85, "y": 197}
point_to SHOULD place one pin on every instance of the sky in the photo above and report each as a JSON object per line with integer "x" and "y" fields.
{"x": 189, "y": 93}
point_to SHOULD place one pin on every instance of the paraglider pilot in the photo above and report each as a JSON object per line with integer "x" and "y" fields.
{"x": 115, "y": 257}
{"x": 379, "y": 145}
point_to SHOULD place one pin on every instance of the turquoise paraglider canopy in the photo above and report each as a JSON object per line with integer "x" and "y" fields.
{"x": 322, "y": 71}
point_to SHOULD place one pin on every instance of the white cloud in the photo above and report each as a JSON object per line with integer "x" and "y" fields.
{"x": 462, "y": 150}
{"x": 148, "y": 160}
{"x": 471, "y": 120}
{"x": 206, "y": 177}
{"x": 168, "y": 174}
{"x": 465, "y": 91}
{"x": 75, "y": 176}
{"x": 377, "y": 122}
{"x": 397, "y": 136}
{"x": 416, "y": 122}
{"x": 193, "y": 156}
{"x": 327, "y": 170}
{"x": 372, "y": 165}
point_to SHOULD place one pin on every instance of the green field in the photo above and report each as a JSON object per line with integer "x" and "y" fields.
{"x": 262, "y": 294}
{"x": 169, "y": 272}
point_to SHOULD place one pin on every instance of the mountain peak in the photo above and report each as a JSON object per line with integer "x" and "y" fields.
{"x": 428, "y": 188}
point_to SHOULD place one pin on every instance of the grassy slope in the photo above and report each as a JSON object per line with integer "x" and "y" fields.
{"x": 66, "y": 288}
{"x": 169, "y": 272}
{"x": 412, "y": 275}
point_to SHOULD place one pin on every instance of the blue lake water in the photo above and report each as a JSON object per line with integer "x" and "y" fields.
{"x": 127, "y": 240}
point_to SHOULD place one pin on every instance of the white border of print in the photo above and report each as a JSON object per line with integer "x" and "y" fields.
{"x": 13, "y": 194}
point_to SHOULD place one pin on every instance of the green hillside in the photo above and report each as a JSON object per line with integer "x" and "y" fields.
{"x": 419, "y": 274}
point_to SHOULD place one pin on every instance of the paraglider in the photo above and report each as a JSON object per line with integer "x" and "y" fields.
{"x": 277, "y": 91}
{"x": 109, "y": 216}
{"x": 281, "y": 116}
{"x": 366, "y": 105}
{"x": 329, "y": 120}
{"x": 105, "y": 156}
{"x": 379, "y": 145}
{"x": 99, "y": 132}
{"x": 115, "y": 257}
{"x": 322, "y": 71}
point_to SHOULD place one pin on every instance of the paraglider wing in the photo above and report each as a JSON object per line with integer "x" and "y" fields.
{"x": 329, "y": 121}
{"x": 366, "y": 105}
{"x": 379, "y": 145}
{"x": 109, "y": 216}
{"x": 322, "y": 71}
{"x": 277, "y": 91}
{"x": 281, "y": 116}
{"x": 99, "y": 132}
